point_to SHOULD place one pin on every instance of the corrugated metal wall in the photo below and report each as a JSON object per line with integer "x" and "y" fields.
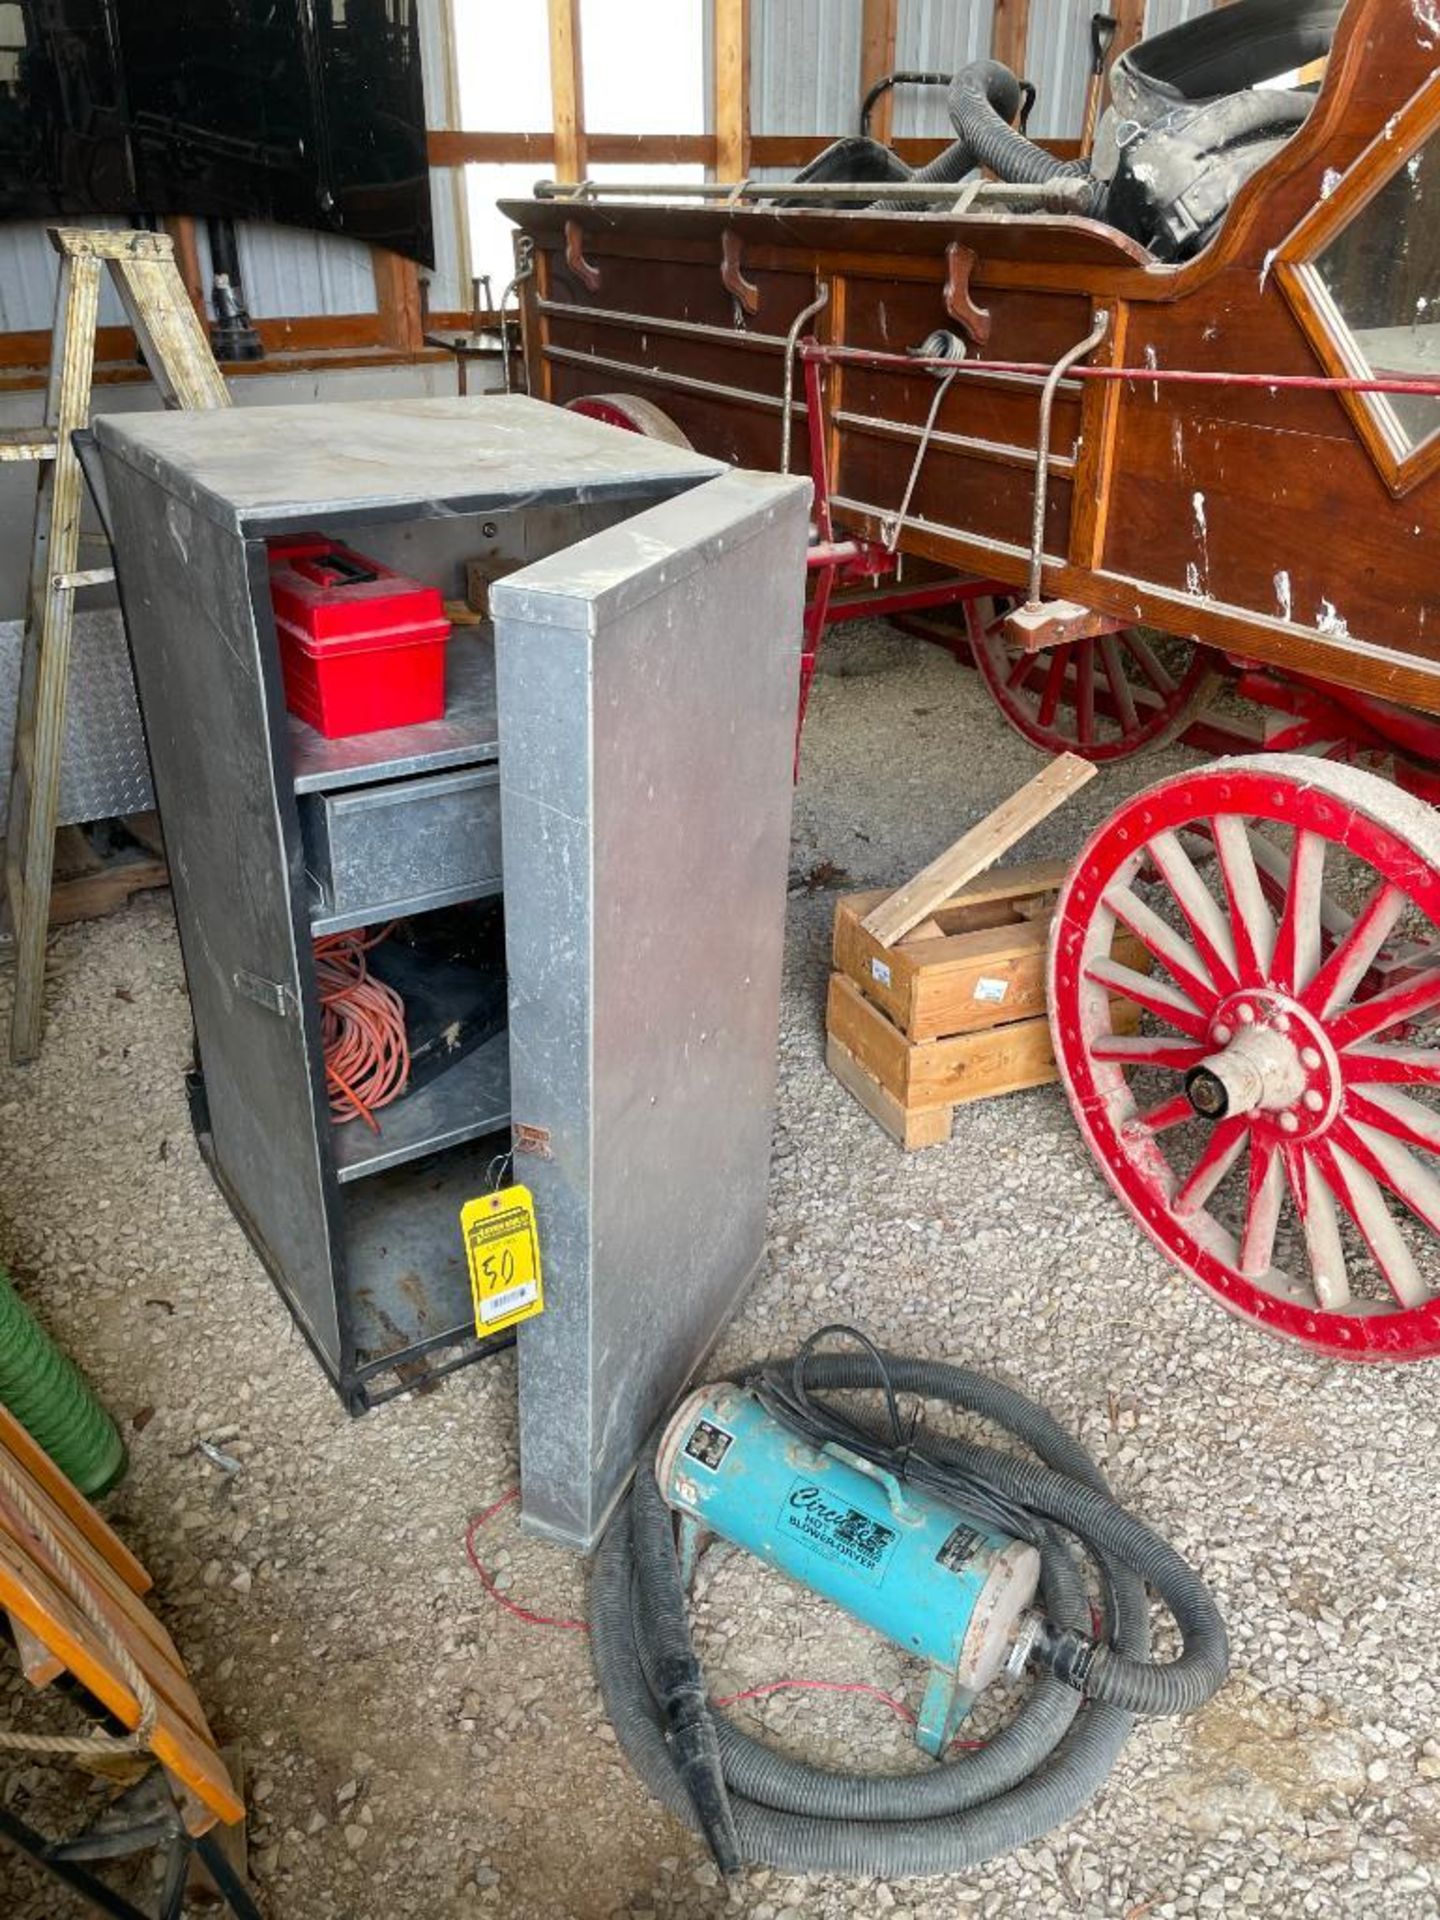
{"x": 936, "y": 36}
{"x": 805, "y": 60}
{"x": 1161, "y": 15}
{"x": 1058, "y": 66}
{"x": 804, "y": 66}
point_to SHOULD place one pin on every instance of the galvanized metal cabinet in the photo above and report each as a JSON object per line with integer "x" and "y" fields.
{"x": 646, "y": 699}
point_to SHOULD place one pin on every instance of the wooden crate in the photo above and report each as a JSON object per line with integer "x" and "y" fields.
{"x": 955, "y": 1011}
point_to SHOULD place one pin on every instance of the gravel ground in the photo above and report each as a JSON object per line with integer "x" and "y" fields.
{"x": 413, "y": 1751}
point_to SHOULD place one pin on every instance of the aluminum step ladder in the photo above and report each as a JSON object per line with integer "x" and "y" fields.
{"x": 172, "y": 340}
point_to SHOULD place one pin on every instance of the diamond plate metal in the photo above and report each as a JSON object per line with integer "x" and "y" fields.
{"x": 105, "y": 769}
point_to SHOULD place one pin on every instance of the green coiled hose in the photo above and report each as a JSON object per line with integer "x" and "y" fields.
{"x": 49, "y": 1396}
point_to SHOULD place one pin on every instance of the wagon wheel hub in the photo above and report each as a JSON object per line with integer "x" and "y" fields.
{"x": 1273, "y": 1062}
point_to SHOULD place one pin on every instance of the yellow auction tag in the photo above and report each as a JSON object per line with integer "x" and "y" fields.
{"x": 503, "y": 1249}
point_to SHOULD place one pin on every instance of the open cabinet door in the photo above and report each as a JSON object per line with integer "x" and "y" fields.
{"x": 647, "y": 686}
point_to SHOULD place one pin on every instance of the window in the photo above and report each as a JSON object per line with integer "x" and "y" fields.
{"x": 1362, "y": 272}
{"x": 644, "y": 65}
{"x": 1382, "y": 276}
{"x": 492, "y": 236}
{"x": 502, "y": 65}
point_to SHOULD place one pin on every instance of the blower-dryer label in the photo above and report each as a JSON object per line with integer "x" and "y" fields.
{"x": 837, "y": 1531}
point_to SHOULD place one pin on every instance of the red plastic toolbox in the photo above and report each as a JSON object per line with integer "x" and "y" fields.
{"x": 361, "y": 646}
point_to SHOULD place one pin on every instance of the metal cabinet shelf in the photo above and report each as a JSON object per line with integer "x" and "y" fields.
{"x": 468, "y": 1100}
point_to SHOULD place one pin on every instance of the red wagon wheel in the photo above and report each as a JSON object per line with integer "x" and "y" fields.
{"x": 630, "y": 411}
{"x": 1274, "y": 1124}
{"x": 1102, "y": 698}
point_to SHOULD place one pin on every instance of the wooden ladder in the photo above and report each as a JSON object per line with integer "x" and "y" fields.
{"x": 173, "y": 342}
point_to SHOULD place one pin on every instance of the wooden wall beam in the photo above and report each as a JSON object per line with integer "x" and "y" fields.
{"x": 731, "y": 68}
{"x": 1010, "y": 34}
{"x": 397, "y": 300}
{"x": 878, "y": 29}
{"x": 181, "y": 229}
{"x": 567, "y": 90}
{"x": 1131, "y": 15}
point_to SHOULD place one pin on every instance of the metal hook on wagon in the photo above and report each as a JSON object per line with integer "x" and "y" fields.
{"x": 524, "y": 270}
{"x": 1042, "y": 448}
{"x": 792, "y": 341}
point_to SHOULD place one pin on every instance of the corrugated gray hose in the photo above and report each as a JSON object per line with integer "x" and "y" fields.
{"x": 983, "y": 99}
{"x": 1038, "y": 1772}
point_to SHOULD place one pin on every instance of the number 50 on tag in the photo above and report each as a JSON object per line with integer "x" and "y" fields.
{"x": 503, "y": 1251}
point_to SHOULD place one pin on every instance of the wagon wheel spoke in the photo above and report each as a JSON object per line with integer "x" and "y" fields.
{"x": 1022, "y": 672}
{"x": 1219, "y": 1155}
{"x": 1050, "y": 695}
{"x": 1274, "y": 866}
{"x": 1157, "y": 675}
{"x": 1354, "y": 955}
{"x": 1085, "y": 693}
{"x": 1171, "y": 949}
{"x": 1393, "y": 1065}
{"x": 1393, "y": 1165}
{"x": 1264, "y": 1198}
{"x": 1175, "y": 1112}
{"x": 1392, "y": 1008}
{"x": 1153, "y": 995}
{"x": 1209, "y": 928}
{"x": 1359, "y": 1193}
{"x": 1276, "y": 1129}
{"x": 1388, "y": 1111}
{"x": 1296, "y": 959}
{"x": 1251, "y": 923}
{"x": 1320, "y": 1223}
{"x": 1120, "y": 689}
{"x": 1150, "y": 1050}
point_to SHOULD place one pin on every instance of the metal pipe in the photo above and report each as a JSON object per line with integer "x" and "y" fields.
{"x": 655, "y": 323}
{"x": 1042, "y": 449}
{"x": 658, "y": 376}
{"x": 1061, "y": 195}
{"x": 792, "y": 338}
{"x": 1420, "y": 386}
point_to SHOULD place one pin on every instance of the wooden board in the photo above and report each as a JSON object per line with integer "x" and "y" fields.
{"x": 981, "y": 963}
{"x": 55, "y": 1634}
{"x": 37, "y": 1466}
{"x": 908, "y": 1127}
{"x": 978, "y": 849}
{"x": 87, "y": 885}
{"x": 952, "y": 1072}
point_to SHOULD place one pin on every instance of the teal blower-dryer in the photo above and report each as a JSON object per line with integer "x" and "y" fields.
{"x": 894, "y": 1557}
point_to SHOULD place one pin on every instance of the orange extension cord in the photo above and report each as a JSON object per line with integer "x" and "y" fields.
{"x": 362, "y": 1028}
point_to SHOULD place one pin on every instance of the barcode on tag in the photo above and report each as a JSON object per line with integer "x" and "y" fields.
{"x": 991, "y": 992}
{"x": 498, "y": 1305}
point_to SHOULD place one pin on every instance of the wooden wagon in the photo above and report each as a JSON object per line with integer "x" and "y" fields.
{"x": 1240, "y": 454}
